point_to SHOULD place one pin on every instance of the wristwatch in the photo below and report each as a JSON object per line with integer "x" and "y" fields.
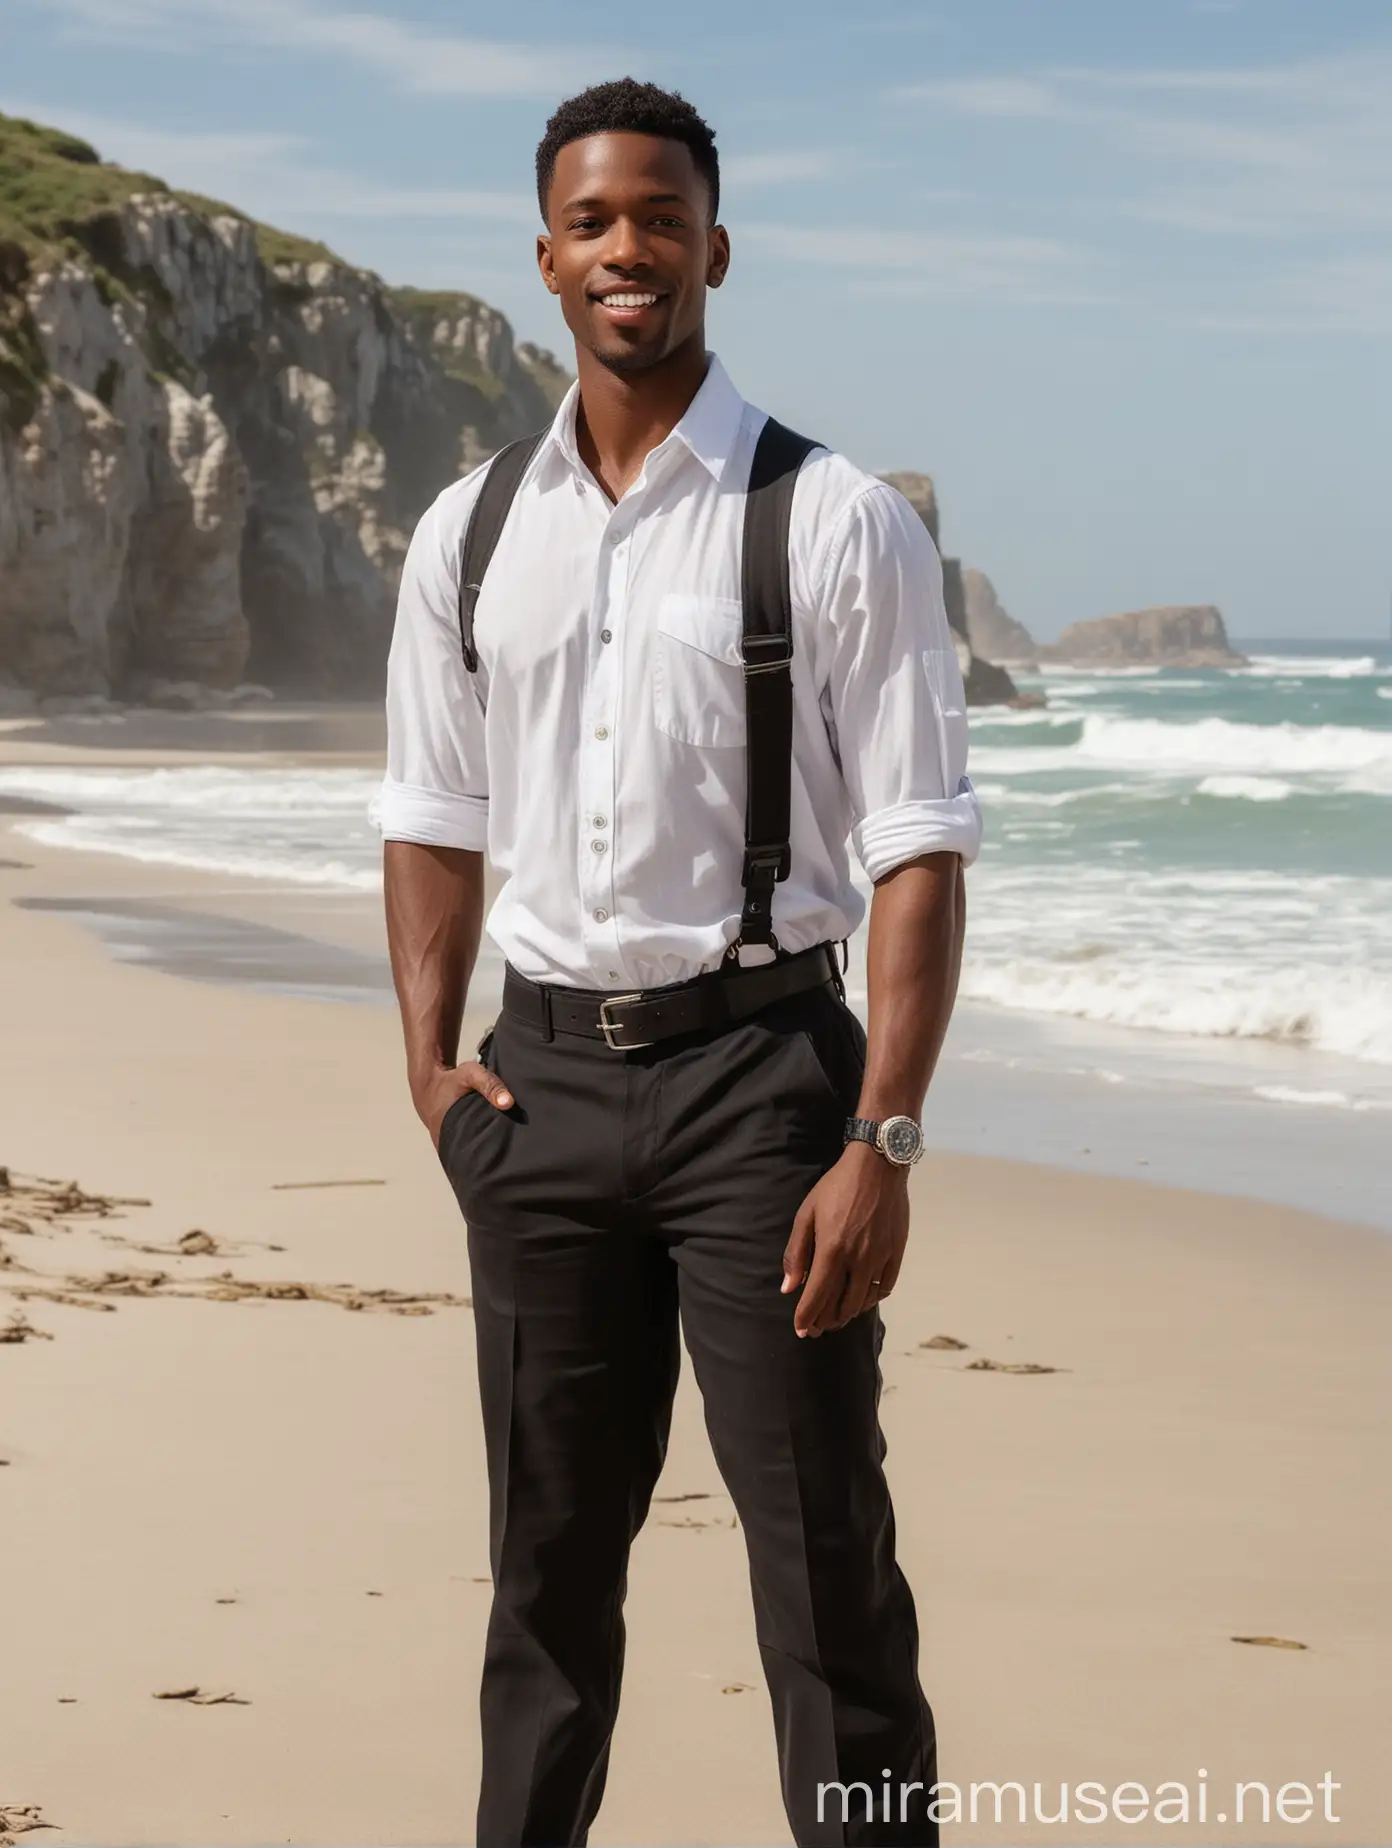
{"x": 899, "y": 1139}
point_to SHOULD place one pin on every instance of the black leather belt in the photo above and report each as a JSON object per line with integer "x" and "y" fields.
{"x": 625, "y": 1022}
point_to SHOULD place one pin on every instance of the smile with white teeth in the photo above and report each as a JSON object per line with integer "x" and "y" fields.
{"x": 629, "y": 300}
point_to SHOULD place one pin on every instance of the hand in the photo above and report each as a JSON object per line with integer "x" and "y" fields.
{"x": 848, "y": 1240}
{"x": 447, "y": 1083}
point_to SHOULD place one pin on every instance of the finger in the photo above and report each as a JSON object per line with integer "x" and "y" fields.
{"x": 858, "y": 1294}
{"x": 797, "y": 1254}
{"x": 889, "y": 1276}
{"x": 488, "y": 1084}
{"x": 820, "y": 1295}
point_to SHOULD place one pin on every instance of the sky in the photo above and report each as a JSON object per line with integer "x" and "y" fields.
{"x": 1116, "y": 273}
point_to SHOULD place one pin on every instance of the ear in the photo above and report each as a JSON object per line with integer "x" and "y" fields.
{"x": 544, "y": 264}
{"x": 718, "y": 256}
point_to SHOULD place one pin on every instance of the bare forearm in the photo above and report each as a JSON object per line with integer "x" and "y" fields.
{"x": 917, "y": 923}
{"x": 434, "y": 904}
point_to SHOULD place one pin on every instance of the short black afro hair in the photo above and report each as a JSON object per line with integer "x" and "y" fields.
{"x": 627, "y": 106}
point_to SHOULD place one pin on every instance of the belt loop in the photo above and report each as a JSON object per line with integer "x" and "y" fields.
{"x": 548, "y": 1032}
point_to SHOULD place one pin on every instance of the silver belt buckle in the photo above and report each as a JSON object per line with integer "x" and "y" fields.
{"x": 609, "y": 1027}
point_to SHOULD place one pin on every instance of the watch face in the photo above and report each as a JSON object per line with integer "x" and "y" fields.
{"x": 901, "y": 1139}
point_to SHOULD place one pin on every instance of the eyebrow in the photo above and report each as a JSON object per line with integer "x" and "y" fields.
{"x": 592, "y": 205}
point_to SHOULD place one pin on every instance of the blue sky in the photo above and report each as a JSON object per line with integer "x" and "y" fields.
{"x": 1117, "y": 273}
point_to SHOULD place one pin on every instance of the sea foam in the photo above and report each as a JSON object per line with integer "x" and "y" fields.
{"x": 1202, "y": 747}
{"x": 1335, "y": 1011}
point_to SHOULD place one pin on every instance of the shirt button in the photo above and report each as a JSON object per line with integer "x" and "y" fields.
{"x": 601, "y": 916}
{"x": 606, "y": 635}
{"x": 616, "y": 538}
{"x": 600, "y": 821}
{"x": 599, "y": 846}
{"x": 601, "y": 731}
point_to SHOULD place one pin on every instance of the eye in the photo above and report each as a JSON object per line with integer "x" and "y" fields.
{"x": 582, "y": 224}
{"x": 680, "y": 223}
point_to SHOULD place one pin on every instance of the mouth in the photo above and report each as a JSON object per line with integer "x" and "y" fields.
{"x": 626, "y": 307}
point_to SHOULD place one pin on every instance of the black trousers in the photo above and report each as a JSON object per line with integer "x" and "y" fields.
{"x": 623, "y": 1194}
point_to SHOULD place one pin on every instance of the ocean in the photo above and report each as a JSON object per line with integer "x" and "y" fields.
{"x": 1186, "y": 879}
{"x": 1199, "y": 853}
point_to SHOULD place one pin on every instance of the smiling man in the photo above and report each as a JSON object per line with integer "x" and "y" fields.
{"x": 703, "y": 656}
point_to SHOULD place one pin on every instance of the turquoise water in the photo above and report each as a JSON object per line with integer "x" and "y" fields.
{"x": 1206, "y": 853}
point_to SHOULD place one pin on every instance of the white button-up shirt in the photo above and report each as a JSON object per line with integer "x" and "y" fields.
{"x": 597, "y": 754}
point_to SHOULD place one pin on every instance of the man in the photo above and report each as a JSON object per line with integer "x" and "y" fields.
{"x": 619, "y": 1178}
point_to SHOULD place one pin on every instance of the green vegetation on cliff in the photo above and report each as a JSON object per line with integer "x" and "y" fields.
{"x": 57, "y": 194}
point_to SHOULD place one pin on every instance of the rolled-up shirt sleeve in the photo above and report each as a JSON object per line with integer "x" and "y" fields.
{"x": 436, "y": 788}
{"x": 894, "y": 689}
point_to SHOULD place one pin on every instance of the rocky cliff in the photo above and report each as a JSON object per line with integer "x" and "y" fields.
{"x": 991, "y": 629}
{"x": 214, "y": 438}
{"x": 1178, "y": 635}
{"x": 986, "y": 684}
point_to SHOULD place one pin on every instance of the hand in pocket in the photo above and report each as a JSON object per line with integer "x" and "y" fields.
{"x": 449, "y": 1083}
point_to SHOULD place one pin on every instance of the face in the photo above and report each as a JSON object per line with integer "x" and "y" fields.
{"x": 630, "y": 250}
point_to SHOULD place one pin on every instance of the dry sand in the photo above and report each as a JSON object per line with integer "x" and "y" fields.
{"x": 282, "y": 1500}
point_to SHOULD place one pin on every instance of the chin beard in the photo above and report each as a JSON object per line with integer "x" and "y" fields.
{"x": 628, "y": 360}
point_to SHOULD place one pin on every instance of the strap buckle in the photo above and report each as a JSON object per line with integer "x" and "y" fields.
{"x": 770, "y": 653}
{"x": 610, "y": 1027}
{"x": 775, "y": 859}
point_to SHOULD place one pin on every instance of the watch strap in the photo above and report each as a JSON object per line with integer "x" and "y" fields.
{"x": 861, "y": 1129}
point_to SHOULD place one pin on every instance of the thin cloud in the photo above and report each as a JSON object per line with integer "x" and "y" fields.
{"x": 778, "y": 167}
{"x": 1343, "y": 295}
{"x": 273, "y": 176}
{"x": 1272, "y": 151}
{"x": 407, "y": 57}
{"x": 943, "y": 266}
{"x": 1011, "y": 99}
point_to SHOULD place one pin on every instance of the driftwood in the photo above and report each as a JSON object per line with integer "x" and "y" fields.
{"x": 1010, "y": 1366}
{"x": 88, "y": 1292}
{"x": 18, "y": 1819}
{"x": 32, "y": 1205}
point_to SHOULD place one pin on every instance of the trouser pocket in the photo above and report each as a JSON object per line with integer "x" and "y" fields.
{"x": 466, "y": 1120}
{"x": 833, "y": 1042}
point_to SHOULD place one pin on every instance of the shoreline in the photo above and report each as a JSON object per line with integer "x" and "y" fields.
{"x": 1242, "y": 1120}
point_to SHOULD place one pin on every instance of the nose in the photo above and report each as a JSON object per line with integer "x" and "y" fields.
{"x": 626, "y": 247}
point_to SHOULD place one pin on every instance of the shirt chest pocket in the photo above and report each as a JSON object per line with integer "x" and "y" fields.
{"x": 698, "y": 670}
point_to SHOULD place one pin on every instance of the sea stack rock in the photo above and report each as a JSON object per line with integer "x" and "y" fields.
{"x": 991, "y": 629}
{"x": 1176, "y": 635}
{"x": 985, "y": 683}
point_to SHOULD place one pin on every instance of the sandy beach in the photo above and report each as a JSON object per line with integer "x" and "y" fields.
{"x": 274, "y": 1495}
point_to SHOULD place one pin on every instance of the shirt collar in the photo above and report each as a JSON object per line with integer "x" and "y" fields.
{"x": 708, "y": 429}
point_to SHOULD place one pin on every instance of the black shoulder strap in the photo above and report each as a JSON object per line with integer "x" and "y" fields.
{"x": 768, "y": 679}
{"x": 485, "y": 527}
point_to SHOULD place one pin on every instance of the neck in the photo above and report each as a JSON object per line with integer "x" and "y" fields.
{"x": 622, "y": 416}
